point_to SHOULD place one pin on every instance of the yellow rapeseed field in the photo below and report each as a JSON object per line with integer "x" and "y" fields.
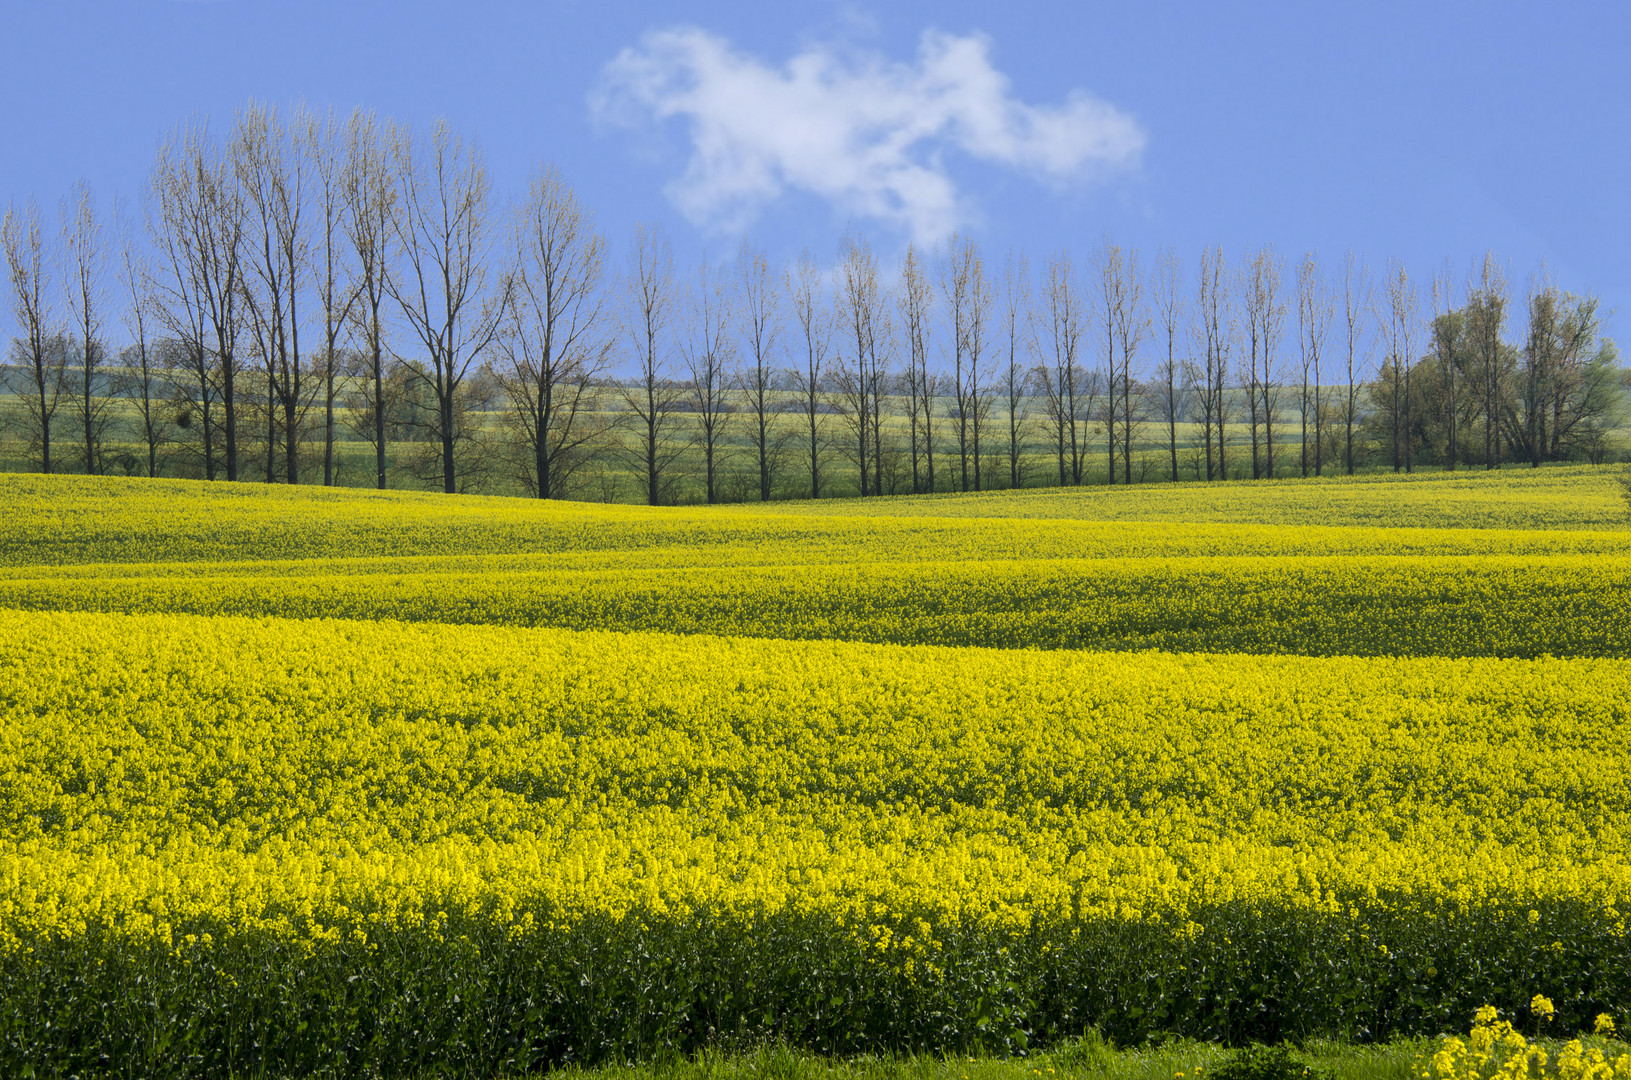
{"x": 87, "y": 520}
{"x": 253, "y": 768}
{"x": 1411, "y": 605}
{"x": 373, "y": 783}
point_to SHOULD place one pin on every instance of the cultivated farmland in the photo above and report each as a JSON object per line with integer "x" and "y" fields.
{"x": 366, "y": 782}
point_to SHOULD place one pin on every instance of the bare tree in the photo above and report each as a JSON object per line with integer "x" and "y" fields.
{"x": 957, "y": 273}
{"x": 1018, "y": 318}
{"x": 178, "y": 306}
{"x": 553, "y": 348}
{"x": 707, "y": 346}
{"x": 1486, "y": 320}
{"x": 1125, "y": 322}
{"x": 1356, "y": 301}
{"x": 1401, "y": 298}
{"x": 651, "y": 396}
{"x": 1251, "y": 290}
{"x": 759, "y": 300}
{"x": 371, "y": 207}
{"x": 1447, "y": 333}
{"x": 980, "y": 303}
{"x": 272, "y": 167}
{"x": 444, "y": 289}
{"x": 1169, "y": 316}
{"x": 199, "y": 225}
{"x": 1061, "y": 380}
{"x": 266, "y": 317}
{"x": 1215, "y": 330}
{"x": 815, "y": 325}
{"x": 1313, "y": 321}
{"x": 339, "y": 286}
{"x": 1265, "y": 316}
{"x": 915, "y": 298}
{"x": 1274, "y": 318}
{"x": 85, "y": 258}
{"x": 880, "y": 353}
{"x": 40, "y": 351}
{"x": 146, "y": 371}
{"x": 221, "y": 234}
{"x": 859, "y": 368}
{"x": 1112, "y": 280}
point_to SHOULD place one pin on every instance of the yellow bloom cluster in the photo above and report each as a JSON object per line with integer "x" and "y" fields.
{"x": 1496, "y": 1050}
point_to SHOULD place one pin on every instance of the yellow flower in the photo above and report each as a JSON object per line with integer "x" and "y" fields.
{"x": 1541, "y": 1006}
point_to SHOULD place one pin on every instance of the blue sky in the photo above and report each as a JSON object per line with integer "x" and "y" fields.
{"x": 1421, "y": 131}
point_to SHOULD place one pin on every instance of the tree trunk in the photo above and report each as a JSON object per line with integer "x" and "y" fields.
{"x": 229, "y": 404}
{"x": 328, "y": 420}
{"x": 445, "y": 403}
{"x": 379, "y": 406}
{"x": 291, "y": 403}
{"x": 541, "y": 422}
{"x": 45, "y": 425}
{"x": 815, "y": 453}
{"x": 651, "y": 447}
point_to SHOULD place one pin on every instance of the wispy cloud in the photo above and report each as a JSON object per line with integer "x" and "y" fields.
{"x": 869, "y": 135}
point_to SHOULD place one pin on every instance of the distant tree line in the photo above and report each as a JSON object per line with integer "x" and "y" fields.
{"x": 304, "y": 279}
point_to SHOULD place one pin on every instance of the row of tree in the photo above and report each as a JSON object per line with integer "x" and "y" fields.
{"x": 307, "y": 279}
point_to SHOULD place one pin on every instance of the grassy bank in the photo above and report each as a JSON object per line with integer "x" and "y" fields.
{"x": 1087, "y": 1058}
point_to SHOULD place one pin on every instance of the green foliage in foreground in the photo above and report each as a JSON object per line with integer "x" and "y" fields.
{"x": 473, "y": 1000}
{"x": 1259, "y": 1062}
{"x": 1089, "y": 1057}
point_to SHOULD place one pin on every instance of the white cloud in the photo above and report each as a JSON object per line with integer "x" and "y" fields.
{"x": 868, "y": 135}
